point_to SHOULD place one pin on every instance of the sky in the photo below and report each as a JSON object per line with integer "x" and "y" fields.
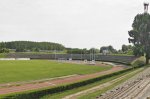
{"x": 73, "y": 23}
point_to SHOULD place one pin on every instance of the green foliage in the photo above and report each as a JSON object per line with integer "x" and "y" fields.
{"x": 138, "y": 50}
{"x": 130, "y": 52}
{"x": 3, "y": 55}
{"x": 124, "y": 48}
{"x": 35, "y": 50}
{"x": 94, "y": 50}
{"x": 74, "y": 51}
{"x": 40, "y": 93}
{"x": 140, "y": 34}
{"x": 109, "y": 48}
{"x": 4, "y": 50}
{"x": 20, "y": 49}
{"x": 81, "y": 51}
{"x": 22, "y": 46}
{"x": 138, "y": 62}
{"x": 127, "y": 49}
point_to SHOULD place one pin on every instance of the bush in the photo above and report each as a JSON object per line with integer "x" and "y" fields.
{"x": 138, "y": 62}
{"x": 4, "y": 50}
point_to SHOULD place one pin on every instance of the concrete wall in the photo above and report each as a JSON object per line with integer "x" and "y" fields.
{"x": 124, "y": 59}
{"x": 14, "y": 58}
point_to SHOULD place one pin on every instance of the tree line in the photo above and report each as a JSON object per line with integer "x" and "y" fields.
{"x": 22, "y": 46}
{"x": 81, "y": 51}
{"x": 126, "y": 49}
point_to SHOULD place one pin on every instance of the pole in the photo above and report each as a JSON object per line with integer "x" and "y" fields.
{"x": 55, "y": 52}
{"x": 81, "y": 54}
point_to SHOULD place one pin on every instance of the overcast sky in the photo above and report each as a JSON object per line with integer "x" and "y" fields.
{"x": 73, "y": 23}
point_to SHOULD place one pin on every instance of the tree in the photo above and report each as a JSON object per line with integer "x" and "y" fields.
{"x": 74, "y": 51}
{"x": 20, "y": 49}
{"x": 103, "y": 48}
{"x": 140, "y": 33}
{"x": 94, "y": 50}
{"x": 35, "y": 50}
{"x": 108, "y": 48}
{"x": 128, "y": 49}
{"x": 111, "y": 49}
{"x": 22, "y": 46}
{"x": 138, "y": 50}
{"x": 85, "y": 51}
{"x": 4, "y": 50}
{"x": 124, "y": 48}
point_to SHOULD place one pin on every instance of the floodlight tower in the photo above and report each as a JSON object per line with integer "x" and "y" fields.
{"x": 146, "y": 7}
{"x": 55, "y": 51}
{"x": 70, "y": 56}
{"x": 81, "y": 55}
{"x": 92, "y": 56}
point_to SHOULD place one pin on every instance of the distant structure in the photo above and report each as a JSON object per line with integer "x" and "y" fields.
{"x": 146, "y": 7}
{"x": 105, "y": 52}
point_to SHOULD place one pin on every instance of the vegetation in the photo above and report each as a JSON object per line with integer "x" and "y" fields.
{"x": 109, "y": 48}
{"x": 48, "y": 47}
{"x": 40, "y": 93}
{"x": 140, "y": 36}
{"x": 13, "y": 71}
{"x": 76, "y": 51}
{"x": 128, "y": 49}
{"x": 56, "y": 90}
{"x": 3, "y": 55}
{"x": 4, "y": 50}
{"x": 81, "y": 51}
{"x": 138, "y": 62}
{"x": 138, "y": 50}
{"x": 22, "y": 46}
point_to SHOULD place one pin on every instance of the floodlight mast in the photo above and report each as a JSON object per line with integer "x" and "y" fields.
{"x": 71, "y": 55}
{"x": 55, "y": 52}
{"x": 81, "y": 55}
{"x": 146, "y": 7}
{"x": 92, "y": 56}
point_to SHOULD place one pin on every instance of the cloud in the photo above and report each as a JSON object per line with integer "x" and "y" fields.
{"x": 74, "y": 23}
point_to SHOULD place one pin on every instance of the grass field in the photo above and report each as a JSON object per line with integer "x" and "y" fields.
{"x": 3, "y": 55}
{"x": 14, "y": 71}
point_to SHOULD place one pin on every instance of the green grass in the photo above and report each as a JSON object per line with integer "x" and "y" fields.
{"x": 14, "y": 71}
{"x": 3, "y": 55}
{"x": 90, "y": 96}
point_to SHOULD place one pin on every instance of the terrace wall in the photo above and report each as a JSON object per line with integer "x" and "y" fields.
{"x": 113, "y": 58}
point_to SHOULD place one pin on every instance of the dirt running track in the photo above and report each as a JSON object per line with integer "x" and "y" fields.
{"x": 55, "y": 82}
